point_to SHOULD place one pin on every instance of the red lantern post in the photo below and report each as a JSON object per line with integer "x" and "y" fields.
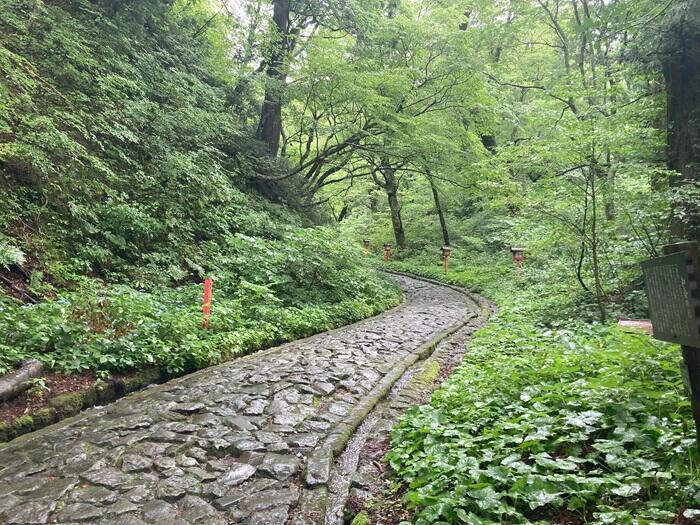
{"x": 446, "y": 255}
{"x": 518, "y": 256}
{"x": 206, "y": 303}
{"x": 387, "y": 251}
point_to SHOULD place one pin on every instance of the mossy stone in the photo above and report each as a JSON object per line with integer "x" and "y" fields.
{"x": 430, "y": 372}
{"x": 22, "y": 425}
{"x": 141, "y": 379}
{"x": 44, "y": 416}
{"x": 361, "y": 519}
{"x": 68, "y": 404}
{"x": 106, "y": 392}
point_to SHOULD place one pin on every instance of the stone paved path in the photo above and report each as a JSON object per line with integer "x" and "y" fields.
{"x": 234, "y": 443}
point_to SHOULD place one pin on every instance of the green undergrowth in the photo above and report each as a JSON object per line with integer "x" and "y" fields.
{"x": 265, "y": 292}
{"x": 128, "y": 174}
{"x": 550, "y": 418}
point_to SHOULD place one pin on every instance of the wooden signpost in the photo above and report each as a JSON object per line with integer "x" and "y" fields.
{"x": 672, "y": 286}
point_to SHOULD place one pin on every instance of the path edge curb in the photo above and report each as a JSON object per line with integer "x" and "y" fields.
{"x": 101, "y": 395}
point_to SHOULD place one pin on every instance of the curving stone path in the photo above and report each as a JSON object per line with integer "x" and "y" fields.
{"x": 234, "y": 443}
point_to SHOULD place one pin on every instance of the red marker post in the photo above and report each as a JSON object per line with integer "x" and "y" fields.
{"x": 206, "y": 303}
{"x": 518, "y": 256}
{"x": 387, "y": 251}
{"x": 446, "y": 256}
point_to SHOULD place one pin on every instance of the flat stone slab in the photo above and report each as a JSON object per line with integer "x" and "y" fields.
{"x": 229, "y": 444}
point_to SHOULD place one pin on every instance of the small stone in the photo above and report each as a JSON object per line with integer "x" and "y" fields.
{"x": 158, "y": 511}
{"x": 303, "y": 440}
{"x": 279, "y": 466}
{"x": 219, "y": 465}
{"x": 278, "y": 447}
{"x": 201, "y": 474}
{"x": 318, "y": 467}
{"x": 216, "y": 447}
{"x": 256, "y": 407}
{"x": 323, "y": 388}
{"x": 176, "y": 487}
{"x": 252, "y": 458}
{"x": 238, "y": 474}
{"x": 245, "y": 491}
{"x": 108, "y": 477}
{"x": 53, "y": 489}
{"x": 153, "y": 450}
{"x": 138, "y": 494}
{"x": 80, "y": 512}
{"x": 213, "y": 490}
{"x": 95, "y": 495}
{"x": 134, "y": 463}
{"x": 31, "y": 513}
{"x": 196, "y": 510}
{"x": 127, "y": 519}
{"x": 164, "y": 463}
{"x": 270, "y": 499}
{"x": 245, "y": 445}
{"x": 198, "y": 453}
{"x": 238, "y": 423}
{"x": 120, "y": 507}
{"x": 188, "y": 408}
{"x": 291, "y": 419}
{"x": 338, "y": 409}
{"x": 359, "y": 495}
{"x": 186, "y": 461}
{"x": 277, "y": 516}
{"x": 182, "y": 428}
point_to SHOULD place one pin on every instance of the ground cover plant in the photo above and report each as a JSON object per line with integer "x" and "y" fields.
{"x": 128, "y": 175}
{"x": 549, "y": 419}
{"x": 266, "y": 292}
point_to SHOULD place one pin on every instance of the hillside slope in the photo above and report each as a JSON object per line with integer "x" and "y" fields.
{"x": 124, "y": 165}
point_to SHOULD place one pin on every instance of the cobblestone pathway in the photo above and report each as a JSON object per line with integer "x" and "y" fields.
{"x": 234, "y": 443}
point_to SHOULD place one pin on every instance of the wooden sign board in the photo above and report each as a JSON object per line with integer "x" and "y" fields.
{"x": 674, "y": 306}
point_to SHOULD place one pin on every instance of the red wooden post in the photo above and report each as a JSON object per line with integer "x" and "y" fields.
{"x": 387, "y": 251}
{"x": 518, "y": 256}
{"x": 206, "y": 304}
{"x": 446, "y": 255}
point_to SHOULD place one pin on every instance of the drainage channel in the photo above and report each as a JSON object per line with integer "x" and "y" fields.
{"x": 358, "y": 473}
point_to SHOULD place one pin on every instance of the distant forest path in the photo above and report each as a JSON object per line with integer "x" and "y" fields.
{"x": 249, "y": 441}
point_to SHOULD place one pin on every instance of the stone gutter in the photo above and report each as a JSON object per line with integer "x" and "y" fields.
{"x": 318, "y": 468}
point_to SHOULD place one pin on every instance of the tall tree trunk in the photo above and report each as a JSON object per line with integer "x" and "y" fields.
{"x": 391, "y": 187}
{"x": 681, "y": 67}
{"x": 609, "y": 195}
{"x": 594, "y": 245}
{"x": 270, "y": 127}
{"x": 440, "y": 212}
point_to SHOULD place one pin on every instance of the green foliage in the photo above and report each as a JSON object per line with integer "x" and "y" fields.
{"x": 10, "y": 254}
{"x": 539, "y": 419}
{"x": 125, "y": 155}
{"x": 265, "y": 293}
{"x": 123, "y": 146}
